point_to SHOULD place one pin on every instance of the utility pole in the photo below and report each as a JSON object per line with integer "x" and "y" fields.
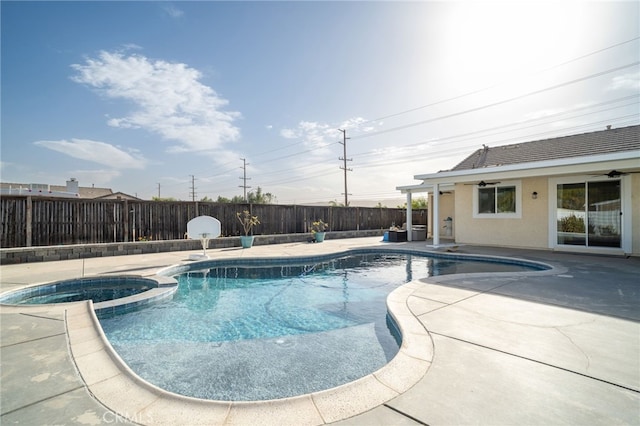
{"x": 193, "y": 188}
{"x": 244, "y": 178}
{"x": 344, "y": 167}
{"x": 158, "y": 190}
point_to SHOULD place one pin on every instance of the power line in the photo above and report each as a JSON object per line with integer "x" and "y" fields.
{"x": 476, "y": 132}
{"x": 445, "y": 116}
{"x": 463, "y": 112}
{"x": 464, "y": 149}
{"x": 493, "y": 104}
{"x": 327, "y": 171}
{"x": 519, "y": 123}
{"x": 474, "y": 92}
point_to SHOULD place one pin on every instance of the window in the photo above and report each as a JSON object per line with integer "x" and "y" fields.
{"x": 589, "y": 213}
{"x": 506, "y": 199}
{"x": 486, "y": 200}
{"x": 499, "y": 201}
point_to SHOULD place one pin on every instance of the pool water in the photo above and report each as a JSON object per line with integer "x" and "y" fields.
{"x": 257, "y": 333}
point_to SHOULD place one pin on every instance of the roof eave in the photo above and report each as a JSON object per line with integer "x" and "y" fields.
{"x": 622, "y": 161}
{"x": 618, "y": 160}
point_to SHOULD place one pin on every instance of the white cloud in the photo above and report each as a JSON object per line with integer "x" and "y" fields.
{"x": 357, "y": 123}
{"x": 131, "y": 46}
{"x": 288, "y": 133}
{"x": 316, "y": 136}
{"x": 98, "y": 152}
{"x": 172, "y": 11}
{"x": 626, "y": 81}
{"x": 320, "y": 135}
{"x": 169, "y": 97}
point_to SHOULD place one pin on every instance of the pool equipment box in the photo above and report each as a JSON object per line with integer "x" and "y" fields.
{"x": 397, "y": 236}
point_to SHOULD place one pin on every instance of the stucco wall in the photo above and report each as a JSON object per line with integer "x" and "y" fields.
{"x": 531, "y": 230}
{"x": 446, "y": 209}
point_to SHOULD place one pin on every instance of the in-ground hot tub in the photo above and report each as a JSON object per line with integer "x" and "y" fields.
{"x": 110, "y": 294}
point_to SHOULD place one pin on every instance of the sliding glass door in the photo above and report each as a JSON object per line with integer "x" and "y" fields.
{"x": 589, "y": 214}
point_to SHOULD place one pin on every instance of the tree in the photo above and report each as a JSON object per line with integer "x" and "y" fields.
{"x": 163, "y": 199}
{"x": 416, "y": 203}
{"x": 258, "y": 197}
{"x": 237, "y": 199}
{"x": 206, "y": 200}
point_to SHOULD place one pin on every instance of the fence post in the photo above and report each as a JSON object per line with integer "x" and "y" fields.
{"x": 125, "y": 218}
{"x": 29, "y": 220}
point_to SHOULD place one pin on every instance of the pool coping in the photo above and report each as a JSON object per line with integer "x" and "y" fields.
{"x": 116, "y": 386}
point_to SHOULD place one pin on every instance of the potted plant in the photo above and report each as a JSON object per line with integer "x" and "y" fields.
{"x": 318, "y": 229}
{"x": 248, "y": 222}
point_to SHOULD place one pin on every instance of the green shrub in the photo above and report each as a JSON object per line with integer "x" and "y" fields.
{"x": 571, "y": 224}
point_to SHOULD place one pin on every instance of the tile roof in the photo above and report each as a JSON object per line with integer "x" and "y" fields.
{"x": 594, "y": 143}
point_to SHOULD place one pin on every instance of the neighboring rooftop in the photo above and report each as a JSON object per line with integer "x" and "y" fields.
{"x": 71, "y": 190}
{"x": 595, "y": 143}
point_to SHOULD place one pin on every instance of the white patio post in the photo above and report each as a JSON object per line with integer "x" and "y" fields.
{"x": 409, "y": 216}
{"x": 436, "y": 215}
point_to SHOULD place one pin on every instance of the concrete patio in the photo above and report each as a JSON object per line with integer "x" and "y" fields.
{"x": 553, "y": 347}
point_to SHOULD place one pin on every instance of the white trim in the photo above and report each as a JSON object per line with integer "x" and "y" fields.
{"x": 631, "y": 156}
{"x": 516, "y": 215}
{"x": 436, "y": 215}
{"x": 409, "y": 217}
{"x": 622, "y": 161}
{"x": 552, "y": 190}
{"x": 627, "y": 214}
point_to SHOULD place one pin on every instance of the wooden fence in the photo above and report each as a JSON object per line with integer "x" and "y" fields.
{"x": 37, "y": 221}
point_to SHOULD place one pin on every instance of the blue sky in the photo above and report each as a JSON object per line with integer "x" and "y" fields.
{"x": 136, "y": 95}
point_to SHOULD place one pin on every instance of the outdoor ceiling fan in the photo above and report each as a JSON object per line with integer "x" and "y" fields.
{"x": 482, "y": 183}
{"x": 616, "y": 173}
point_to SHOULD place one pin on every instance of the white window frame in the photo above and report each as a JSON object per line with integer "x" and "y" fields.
{"x": 626, "y": 205}
{"x": 518, "y": 213}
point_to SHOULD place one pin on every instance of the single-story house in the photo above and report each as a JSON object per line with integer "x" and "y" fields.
{"x": 72, "y": 189}
{"x": 118, "y": 196}
{"x": 575, "y": 193}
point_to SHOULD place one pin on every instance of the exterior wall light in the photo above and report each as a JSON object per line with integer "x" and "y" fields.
{"x": 534, "y": 195}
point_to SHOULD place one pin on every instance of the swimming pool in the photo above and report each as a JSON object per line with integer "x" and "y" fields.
{"x": 267, "y": 329}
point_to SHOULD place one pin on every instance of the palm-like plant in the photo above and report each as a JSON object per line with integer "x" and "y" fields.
{"x": 248, "y": 221}
{"x": 319, "y": 226}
